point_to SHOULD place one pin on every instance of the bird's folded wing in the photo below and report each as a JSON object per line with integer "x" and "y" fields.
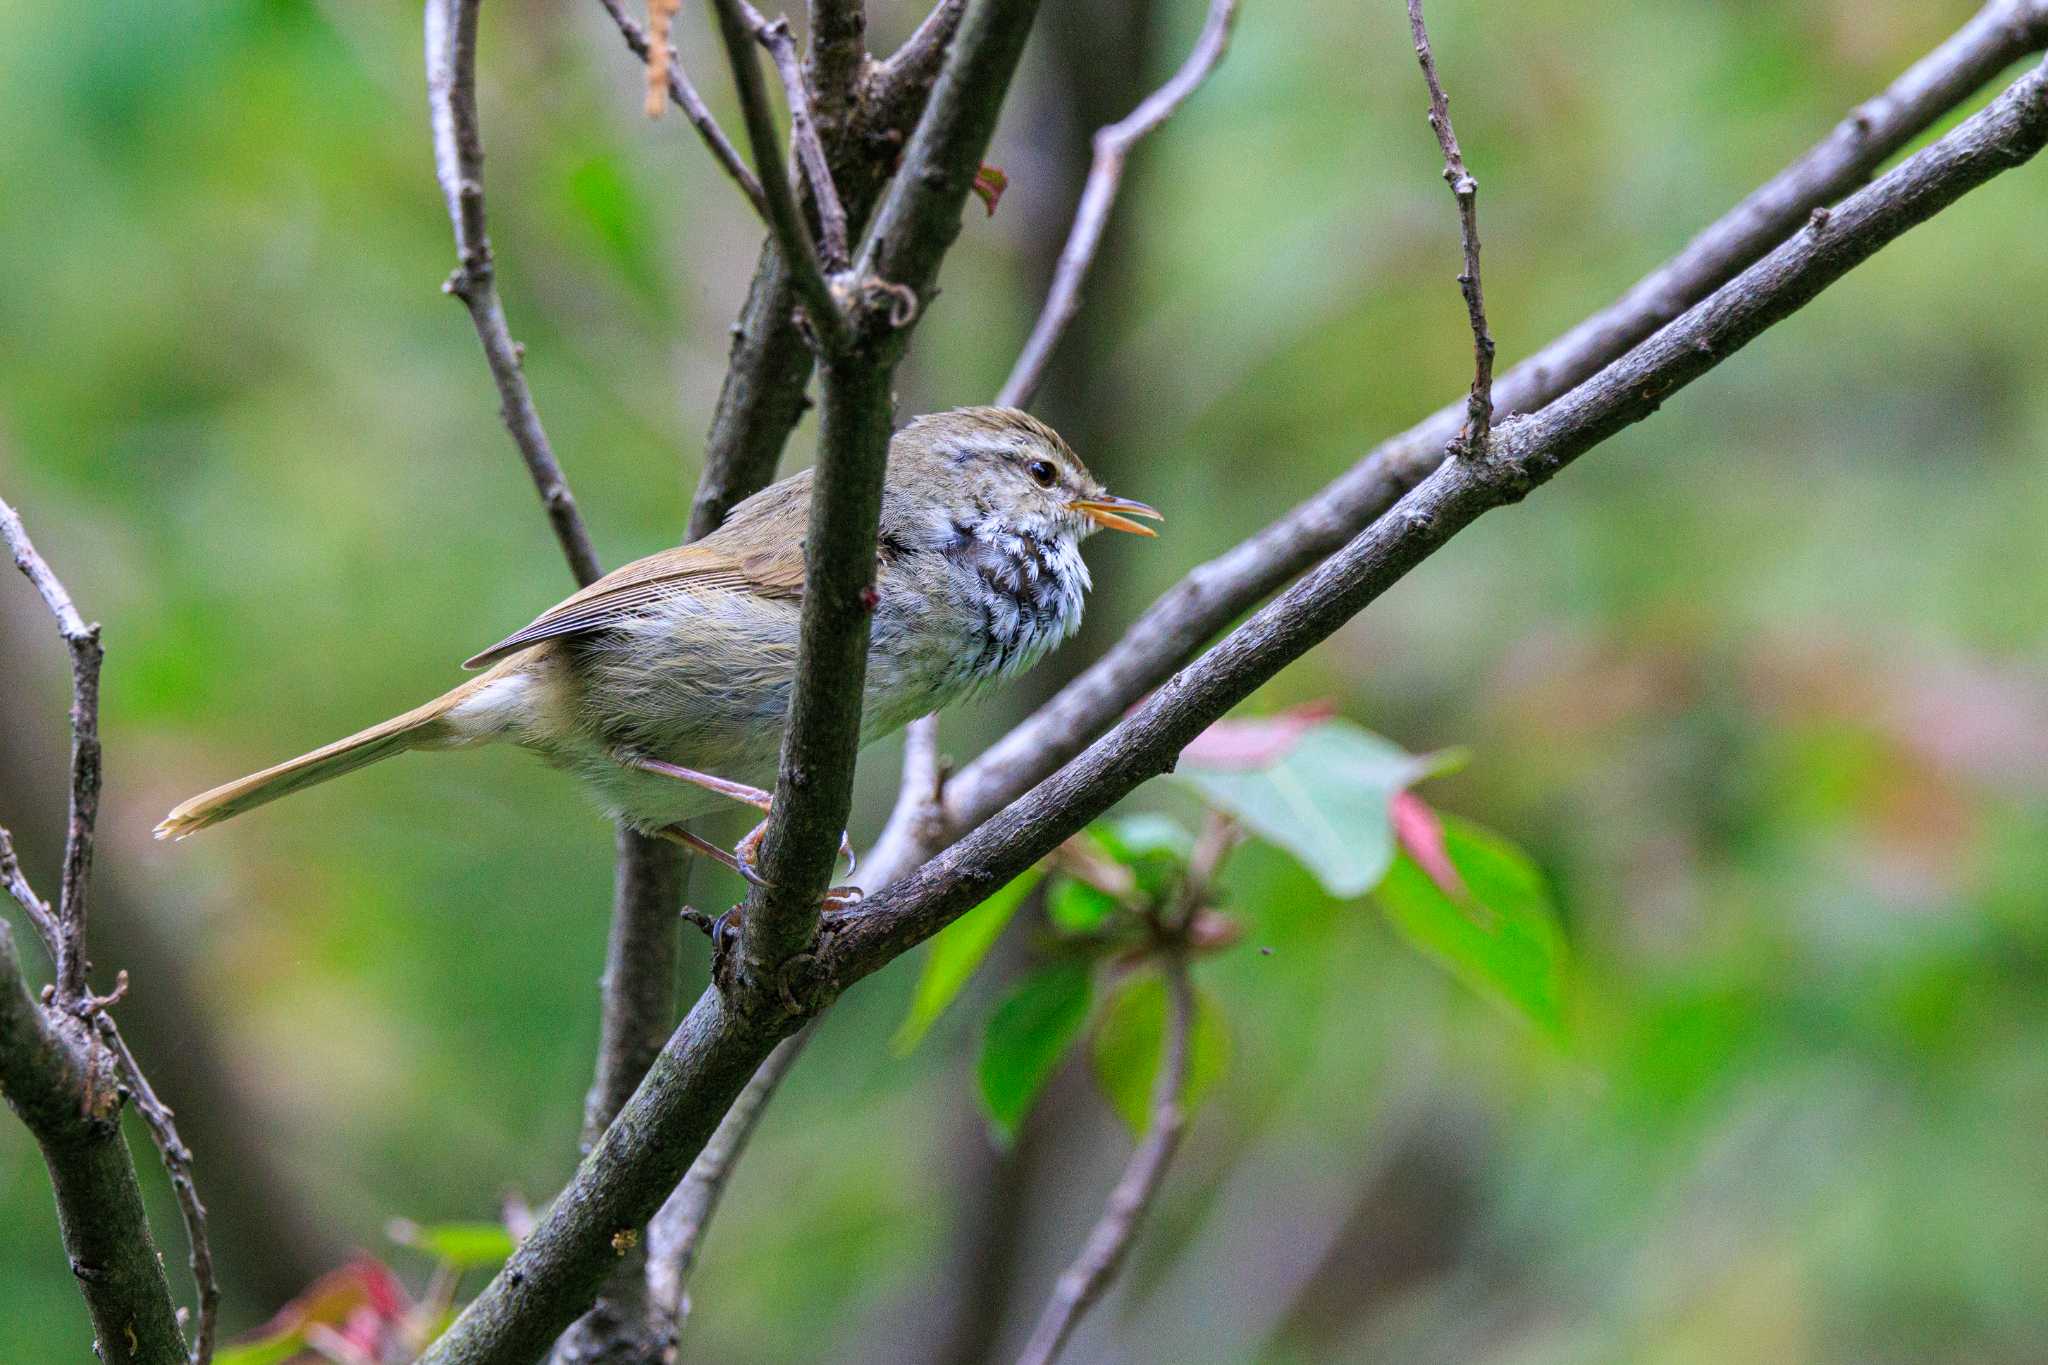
{"x": 702, "y": 567}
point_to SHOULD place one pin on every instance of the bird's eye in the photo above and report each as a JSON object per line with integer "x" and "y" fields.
{"x": 1042, "y": 472}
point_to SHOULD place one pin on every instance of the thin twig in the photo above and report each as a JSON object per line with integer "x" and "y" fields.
{"x": 685, "y": 97}
{"x": 803, "y": 133}
{"x": 22, "y": 894}
{"x": 676, "y": 1233}
{"x": 1105, "y": 176}
{"x": 459, "y": 165}
{"x": 1215, "y": 593}
{"x": 177, "y": 1159}
{"x": 83, "y": 643}
{"x": 1479, "y": 406}
{"x": 785, "y": 219}
{"x": 1081, "y": 1285}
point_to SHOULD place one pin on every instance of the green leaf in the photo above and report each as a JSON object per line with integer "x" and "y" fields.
{"x": 1074, "y": 907}
{"x": 1132, "y": 1038}
{"x": 1155, "y": 847}
{"x": 954, "y": 954}
{"x": 460, "y": 1246}
{"x": 1501, "y": 938}
{"x": 1324, "y": 800}
{"x": 1028, "y": 1035}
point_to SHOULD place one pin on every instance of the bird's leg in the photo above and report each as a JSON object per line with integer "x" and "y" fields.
{"x": 731, "y": 791}
{"x": 676, "y": 834}
{"x": 741, "y": 863}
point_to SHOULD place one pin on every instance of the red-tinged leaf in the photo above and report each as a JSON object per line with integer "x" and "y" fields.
{"x": 1421, "y": 836}
{"x": 362, "y": 1304}
{"x": 1249, "y": 743}
{"x": 989, "y": 184}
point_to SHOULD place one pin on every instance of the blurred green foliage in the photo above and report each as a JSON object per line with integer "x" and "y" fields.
{"x": 1761, "y": 686}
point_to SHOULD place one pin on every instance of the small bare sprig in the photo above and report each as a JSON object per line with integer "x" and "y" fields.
{"x": 1479, "y": 404}
{"x": 1105, "y": 177}
{"x": 685, "y": 97}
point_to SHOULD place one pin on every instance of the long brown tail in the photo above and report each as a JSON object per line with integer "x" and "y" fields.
{"x": 416, "y": 728}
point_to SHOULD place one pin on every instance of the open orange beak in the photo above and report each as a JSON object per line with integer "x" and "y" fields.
{"x": 1115, "y": 513}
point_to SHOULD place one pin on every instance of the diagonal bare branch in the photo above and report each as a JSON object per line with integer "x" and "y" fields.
{"x": 684, "y": 96}
{"x": 803, "y": 134}
{"x": 1479, "y": 405}
{"x": 1217, "y": 592}
{"x": 1527, "y": 452}
{"x": 1105, "y": 177}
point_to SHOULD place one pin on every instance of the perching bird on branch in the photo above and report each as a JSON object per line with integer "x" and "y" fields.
{"x": 665, "y": 684}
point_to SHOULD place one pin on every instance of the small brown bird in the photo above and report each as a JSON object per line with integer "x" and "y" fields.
{"x": 665, "y": 684}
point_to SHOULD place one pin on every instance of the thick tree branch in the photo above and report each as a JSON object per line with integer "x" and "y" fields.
{"x": 917, "y": 220}
{"x": 1081, "y": 1285}
{"x": 1105, "y": 176}
{"x": 177, "y": 1159}
{"x": 1527, "y": 452}
{"x": 839, "y": 54}
{"x": 1479, "y": 405}
{"x": 1217, "y": 592}
{"x": 685, "y": 97}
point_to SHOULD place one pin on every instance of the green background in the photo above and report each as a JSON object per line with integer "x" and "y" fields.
{"x": 1761, "y": 685}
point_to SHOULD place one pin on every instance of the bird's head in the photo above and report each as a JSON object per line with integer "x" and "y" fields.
{"x": 1004, "y": 469}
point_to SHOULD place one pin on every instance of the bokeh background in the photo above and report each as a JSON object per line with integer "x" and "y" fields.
{"x": 1762, "y": 684}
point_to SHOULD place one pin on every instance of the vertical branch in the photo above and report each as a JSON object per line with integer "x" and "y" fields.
{"x": 1105, "y": 177}
{"x": 899, "y": 258}
{"x": 1479, "y": 405}
{"x": 1081, "y": 1285}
